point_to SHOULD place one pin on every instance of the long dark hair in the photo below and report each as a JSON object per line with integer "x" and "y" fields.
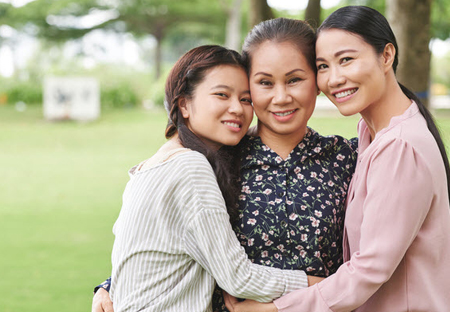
{"x": 279, "y": 30}
{"x": 374, "y": 29}
{"x": 187, "y": 73}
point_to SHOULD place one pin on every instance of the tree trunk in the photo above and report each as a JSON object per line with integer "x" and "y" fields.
{"x": 312, "y": 13}
{"x": 410, "y": 21}
{"x": 233, "y": 35}
{"x": 259, "y": 11}
{"x": 159, "y": 34}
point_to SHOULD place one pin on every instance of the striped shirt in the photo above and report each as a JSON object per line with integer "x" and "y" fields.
{"x": 174, "y": 240}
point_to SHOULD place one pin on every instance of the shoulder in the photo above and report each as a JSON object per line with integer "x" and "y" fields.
{"x": 183, "y": 164}
{"x": 335, "y": 144}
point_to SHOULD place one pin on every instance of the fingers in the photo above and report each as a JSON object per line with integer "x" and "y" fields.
{"x": 101, "y": 302}
{"x": 230, "y": 301}
{"x": 108, "y": 306}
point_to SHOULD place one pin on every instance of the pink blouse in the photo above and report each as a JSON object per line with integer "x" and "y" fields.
{"x": 397, "y": 228}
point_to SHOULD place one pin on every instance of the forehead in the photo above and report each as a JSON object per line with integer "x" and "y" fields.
{"x": 277, "y": 55}
{"x": 330, "y": 40}
{"x": 229, "y": 75}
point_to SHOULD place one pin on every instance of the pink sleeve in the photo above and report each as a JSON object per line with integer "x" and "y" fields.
{"x": 399, "y": 194}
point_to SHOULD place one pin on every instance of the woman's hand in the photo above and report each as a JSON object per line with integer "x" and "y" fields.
{"x": 101, "y": 302}
{"x": 314, "y": 280}
{"x": 234, "y": 305}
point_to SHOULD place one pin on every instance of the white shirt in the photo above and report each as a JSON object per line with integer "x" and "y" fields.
{"x": 174, "y": 239}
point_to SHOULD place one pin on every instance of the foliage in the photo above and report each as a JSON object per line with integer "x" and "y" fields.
{"x": 439, "y": 70}
{"x": 119, "y": 96}
{"x": 440, "y": 25}
{"x": 21, "y": 91}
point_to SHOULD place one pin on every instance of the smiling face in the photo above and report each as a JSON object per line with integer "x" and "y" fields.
{"x": 220, "y": 110}
{"x": 350, "y": 73}
{"x": 283, "y": 88}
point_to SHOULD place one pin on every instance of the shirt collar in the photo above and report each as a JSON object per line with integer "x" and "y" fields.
{"x": 256, "y": 153}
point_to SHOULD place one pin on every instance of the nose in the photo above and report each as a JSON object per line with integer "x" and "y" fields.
{"x": 236, "y": 107}
{"x": 335, "y": 78}
{"x": 281, "y": 95}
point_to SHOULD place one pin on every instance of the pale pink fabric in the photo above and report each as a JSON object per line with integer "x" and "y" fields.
{"x": 397, "y": 228}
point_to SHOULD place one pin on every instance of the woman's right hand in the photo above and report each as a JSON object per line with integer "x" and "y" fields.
{"x": 101, "y": 302}
{"x": 314, "y": 280}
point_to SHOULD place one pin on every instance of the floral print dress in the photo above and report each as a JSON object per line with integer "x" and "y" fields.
{"x": 292, "y": 210}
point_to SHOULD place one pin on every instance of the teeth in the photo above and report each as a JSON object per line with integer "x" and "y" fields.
{"x": 285, "y": 113}
{"x": 232, "y": 124}
{"x": 345, "y": 93}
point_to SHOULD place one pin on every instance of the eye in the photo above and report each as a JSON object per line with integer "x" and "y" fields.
{"x": 346, "y": 59}
{"x": 246, "y": 100}
{"x": 220, "y": 94}
{"x": 294, "y": 80}
{"x": 321, "y": 66}
{"x": 265, "y": 83}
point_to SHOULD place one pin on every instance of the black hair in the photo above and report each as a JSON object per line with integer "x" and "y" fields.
{"x": 187, "y": 73}
{"x": 374, "y": 29}
{"x": 279, "y": 30}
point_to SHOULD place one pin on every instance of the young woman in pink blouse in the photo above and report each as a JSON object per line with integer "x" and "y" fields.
{"x": 397, "y": 226}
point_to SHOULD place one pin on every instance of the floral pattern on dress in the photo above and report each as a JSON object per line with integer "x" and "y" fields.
{"x": 292, "y": 211}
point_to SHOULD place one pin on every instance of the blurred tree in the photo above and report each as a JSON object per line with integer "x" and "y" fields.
{"x": 232, "y": 9}
{"x": 312, "y": 13}
{"x": 410, "y": 21}
{"x": 440, "y": 25}
{"x": 68, "y": 19}
{"x": 259, "y": 11}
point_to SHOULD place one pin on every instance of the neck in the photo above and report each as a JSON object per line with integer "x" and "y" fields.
{"x": 393, "y": 103}
{"x": 282, "y": 144}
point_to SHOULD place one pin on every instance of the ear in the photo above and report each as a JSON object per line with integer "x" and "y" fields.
{"x": 183, "y": 107}
{"x": 388, "y": 56}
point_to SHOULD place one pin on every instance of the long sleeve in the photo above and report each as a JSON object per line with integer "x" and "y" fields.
{"x": 211, "y": 241}
{"x": 397, "y": 191}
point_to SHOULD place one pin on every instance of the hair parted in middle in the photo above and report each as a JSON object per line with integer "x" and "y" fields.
{"x": 281, "y": 30}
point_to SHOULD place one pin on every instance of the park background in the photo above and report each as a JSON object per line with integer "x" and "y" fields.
{"x": 61, "y": 182}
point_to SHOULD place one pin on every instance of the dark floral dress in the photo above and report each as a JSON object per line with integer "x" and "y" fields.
{"x": 292, "y": 210}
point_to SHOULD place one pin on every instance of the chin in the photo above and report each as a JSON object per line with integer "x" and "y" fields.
{"x": 347, "y": 111}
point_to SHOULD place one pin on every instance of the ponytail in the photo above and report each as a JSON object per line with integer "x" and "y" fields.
{"x": 433, "y": 129}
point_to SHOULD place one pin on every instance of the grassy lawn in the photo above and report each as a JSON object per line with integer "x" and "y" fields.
{"x": 60, "y": 193}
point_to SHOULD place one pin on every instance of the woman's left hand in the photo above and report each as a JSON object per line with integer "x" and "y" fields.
{"x": 235, "y": 305}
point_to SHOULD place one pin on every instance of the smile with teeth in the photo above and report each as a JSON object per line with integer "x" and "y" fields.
{"x": 345, "y": 93}
{"x": 284, "y": 113}
{"x": 232, "y": 124}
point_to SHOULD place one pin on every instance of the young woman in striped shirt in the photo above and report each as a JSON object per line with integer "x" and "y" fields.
{"x": 173, "y": 237}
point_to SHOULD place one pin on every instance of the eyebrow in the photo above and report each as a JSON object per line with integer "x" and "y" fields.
{"x": 222, "y": 87}
{"x": 228, "y": 88}
{"x": 287, "y": 74}
{"x": 338, "y": 53}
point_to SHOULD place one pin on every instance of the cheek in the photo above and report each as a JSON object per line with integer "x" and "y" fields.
{"x": 248, "y": 112}
{"x": 306, "y": 94}
{"x": 322, "y": 82}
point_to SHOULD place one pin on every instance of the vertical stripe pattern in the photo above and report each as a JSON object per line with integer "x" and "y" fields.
{"x": 174, "y": 240}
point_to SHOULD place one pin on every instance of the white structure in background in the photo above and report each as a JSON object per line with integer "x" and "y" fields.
{"x": 76, "y": 98}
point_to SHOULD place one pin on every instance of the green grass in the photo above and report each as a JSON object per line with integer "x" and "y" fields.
{"x": 60, "y": 193}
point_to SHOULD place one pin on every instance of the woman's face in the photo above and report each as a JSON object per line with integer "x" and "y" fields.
{"x": 350, "y": 73}
{"x": 220, "y": 110}
{"x": 283, "y": 88}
